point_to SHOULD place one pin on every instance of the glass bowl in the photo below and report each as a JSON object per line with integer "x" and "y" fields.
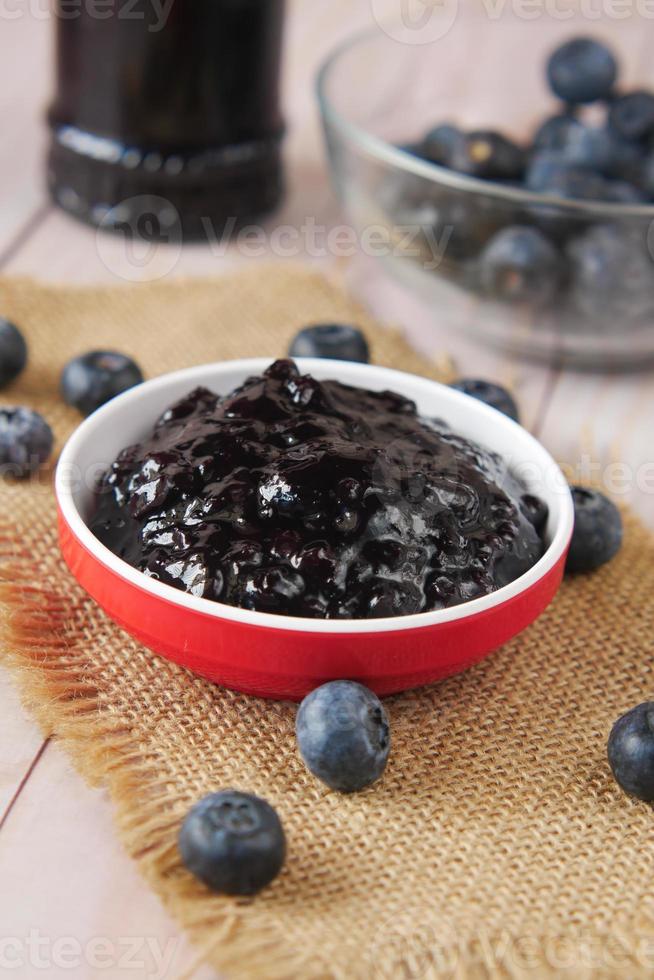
{"x": 383, "y": 90}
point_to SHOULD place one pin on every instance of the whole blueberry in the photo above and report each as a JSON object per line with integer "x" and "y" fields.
{"x": 87, "y": 382}
{"x": 556, "y": 132}
{"x": 597, "y": 535}
{"x": 591, "y": 147}
{"x": 631, "y": 751}
{"x": 552, "y": 173}
{"x": 26, "y": 441}
{"x": 632, "y": 115}
{"x": 441, "y": 143}
{"x": 601, "y": 150}
{"x": 335, "y": 341}
{"x": 519, "y": 263}
{"x": 233, "y": 842}
{"x": 582, "y": 70}
{"x": 13, "y": 352}
{"x": 343, "y": 735}
{"x": 611, "y": 272}
{"x": 491, "y": 394}
{"x": 488, "y": 155}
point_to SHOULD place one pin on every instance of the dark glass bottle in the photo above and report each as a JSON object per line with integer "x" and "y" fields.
{"x": 174, "y": 103}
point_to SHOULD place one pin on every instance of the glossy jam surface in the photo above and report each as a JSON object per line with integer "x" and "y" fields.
{"x": 312, "y": 498}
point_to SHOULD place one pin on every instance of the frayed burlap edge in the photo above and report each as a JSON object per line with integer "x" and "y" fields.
{"x": 59, "y": 690}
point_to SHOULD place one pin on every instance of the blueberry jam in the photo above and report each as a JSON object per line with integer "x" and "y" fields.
{"x": 313, "y": 498}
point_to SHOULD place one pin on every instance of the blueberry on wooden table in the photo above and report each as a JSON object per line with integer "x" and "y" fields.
{"x": 490, "y": 393}
{"x": 13, "y": 352}
{"x": 334, "y": 341}
{"x": 343, "y": 735}
{"x": 26, "y": 441}
{"x": 631, "y": 751}
{"x": 597, "y": 535}
{"x": 519, "y": 263}
{"x": 581, "y": 71}
{"x": 233, "y": 842}
{"x": 92, "y": 379}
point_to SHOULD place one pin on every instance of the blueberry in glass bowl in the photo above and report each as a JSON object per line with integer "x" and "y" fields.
{"x": 452, "y": 155}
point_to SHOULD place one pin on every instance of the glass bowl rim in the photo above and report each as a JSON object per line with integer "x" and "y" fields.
{"x": 399, "y": 159}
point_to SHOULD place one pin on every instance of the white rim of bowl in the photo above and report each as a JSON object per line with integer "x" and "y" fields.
{"x": 400, "y": 159}
{"x": 218, "y": 610}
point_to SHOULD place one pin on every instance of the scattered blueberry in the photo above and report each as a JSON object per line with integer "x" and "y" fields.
{"x": 343, "y": 735}
{"x": 13, "y": 352}
{"x": 491, "y": 394}
{"x": 632, "y": 115}
{"x": 597, "y": 535}
{"x": 335, "y": 341}
{"x": 87, "y": 382}
{"x": 582, "y": 71}
{"x": 631, "y": 751}
{"x": 233, "y": 842}
{"x": 26, "y": 441}
{"x": 520, "y": 263}
{"x": 489, "y": 155}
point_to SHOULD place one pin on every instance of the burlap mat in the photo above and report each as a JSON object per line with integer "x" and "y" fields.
{"x": 496, "y": 844}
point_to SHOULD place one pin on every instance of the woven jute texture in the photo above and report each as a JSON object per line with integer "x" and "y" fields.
{"x": 495, "y": 845}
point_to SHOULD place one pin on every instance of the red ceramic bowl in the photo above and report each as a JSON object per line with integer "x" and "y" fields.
{"x": 282, "y": 656}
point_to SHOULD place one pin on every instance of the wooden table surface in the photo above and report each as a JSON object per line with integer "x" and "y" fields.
{"x": 71, "y": 903}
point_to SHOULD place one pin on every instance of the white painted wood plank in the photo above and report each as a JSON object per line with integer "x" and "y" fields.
{"x": 20, "y": 741}
{"x": 71, "y": 900}
{"x": 25, "y": 71}
{"x": 601, "y": 428}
